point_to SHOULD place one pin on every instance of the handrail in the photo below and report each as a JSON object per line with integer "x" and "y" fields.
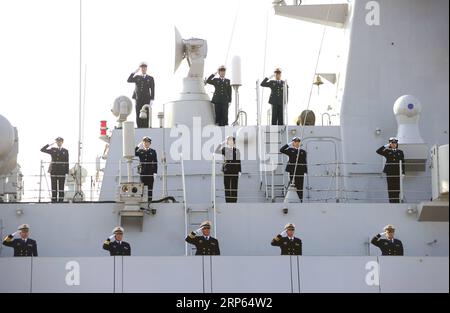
{"x": 120, "y": 171}
{"x": 164, "y": 177}
{"x": 309, "y": 163}
{"x": 213, "y": 177}
{"x": 319, "y": 180}
{"x": 40, "y": 179}
{"x": 329, "y": 118}
{"x": 270, "y": 162}
{"x": 258, "y": 105}
{"x": 273, "y": 183}
{"x": 337, "y": 182}
{"x": 285, "y": 103}
{"x": 401, "y": 195}
{"x": 185, "y": 203}
{"x": 236, "y": 122}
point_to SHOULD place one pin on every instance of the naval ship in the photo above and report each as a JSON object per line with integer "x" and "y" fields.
{"x": 392, "y": 82}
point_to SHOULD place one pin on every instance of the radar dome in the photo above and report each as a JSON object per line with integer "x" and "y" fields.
{"x": 407, "y": 110}
{"x": 408, "y": 106}
{"x": 6, "y": 135}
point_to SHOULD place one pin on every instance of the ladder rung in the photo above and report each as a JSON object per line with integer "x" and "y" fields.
{"x": 198, "y": 211}
{"x": 273, "y": 142}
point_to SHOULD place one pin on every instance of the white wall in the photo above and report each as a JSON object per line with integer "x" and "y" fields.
{"x": 406, "y": 54}
{"x": 225, "y": 274}
{"x": 242, "y": 229}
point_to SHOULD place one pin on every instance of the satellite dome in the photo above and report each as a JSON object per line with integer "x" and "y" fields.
{"x": 6, "y": 135}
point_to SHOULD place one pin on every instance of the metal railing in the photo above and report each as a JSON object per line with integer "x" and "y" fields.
{"x": 184, "y": 203}
{"x": 325, "y": 182}
{"x": 239, "y": 121}
{"x": 213, "y": 187}
{"x": 329, "y": 118}
{"x": 336, "y": 185}
{"x": 93, "y": 185}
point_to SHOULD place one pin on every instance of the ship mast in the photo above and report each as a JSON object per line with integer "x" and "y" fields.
{"x": 79, "y": 196}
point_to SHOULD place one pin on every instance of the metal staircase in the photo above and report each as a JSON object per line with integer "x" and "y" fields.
{"x": 274, "y": 178}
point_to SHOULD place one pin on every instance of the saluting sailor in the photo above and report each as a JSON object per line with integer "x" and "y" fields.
{"x": 115, "y": 245}
{"x": 148, "y": 164}
{"x": 231, "y": 168}
{"x": 23, "y": 246}
{"x": 222, "y": 95}
{"x": 393, "y": 157}
{"x": 288, "y": 243}
{"x": 202, "y": 240}
{"x": 390, "y": 245}
{"x": 276, "y": 96}
{"x": 144, "y": 93}
{"x": 297, "y": 165}
{"x": 58, "y": 169}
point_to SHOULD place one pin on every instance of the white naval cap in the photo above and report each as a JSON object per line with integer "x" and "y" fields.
{"x": 23, "y": 226}
{"x": 205, "y": 224}
{"x": 389, "y": 227}
{"x": 118, "y": 229}
{"x": 289, "y": 226}
{"x": 393, "y": 139}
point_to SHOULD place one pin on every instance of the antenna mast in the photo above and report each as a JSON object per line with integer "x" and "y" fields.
{"x": 79, "y": 196}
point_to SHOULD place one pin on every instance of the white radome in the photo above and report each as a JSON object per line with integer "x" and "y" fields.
{"x": 407, "y": 105}
{"x": 407, "y": 110}
{"x": 6, "y": 135}
{"x": 122, "y": 106}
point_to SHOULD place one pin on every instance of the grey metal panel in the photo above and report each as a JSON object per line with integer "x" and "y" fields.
{"x": 335, "y": 274}
{"x": 163, "y": 274}
{"x": 15, "y": 275}
{"x": 295, "y": 272}
{"x": 254, "y": 226}
{"x": 207, "y": 274}
{"x": 96, "y": 275}
{"x": 320, "y": 177}
{"x": 87, "y": 225}
{"x": 118, "y": 274}
{"x": 270, "y": 274}
{"x": 412, "y": 274}
{"x": 434, "y": 211}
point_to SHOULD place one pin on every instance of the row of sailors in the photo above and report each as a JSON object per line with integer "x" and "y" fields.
{"x": 297, "y": 166}
{"x": 204, "y": 243}
{"x": 144, "y": 93}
